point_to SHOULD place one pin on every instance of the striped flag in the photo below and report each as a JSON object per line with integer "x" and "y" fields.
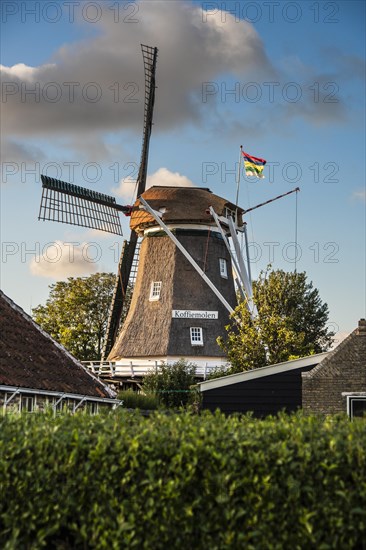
{"x": 253, "y": 165}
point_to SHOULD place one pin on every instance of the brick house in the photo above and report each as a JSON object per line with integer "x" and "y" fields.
{"x": 338, "y": 383}
{"x": 37, "y": 372}
{"x": 326, "y": 383}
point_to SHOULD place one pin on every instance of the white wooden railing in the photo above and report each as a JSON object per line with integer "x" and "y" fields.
{"x": 109, "y": 369}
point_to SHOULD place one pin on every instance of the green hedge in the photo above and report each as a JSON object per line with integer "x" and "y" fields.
{"x": 182, "y": 481}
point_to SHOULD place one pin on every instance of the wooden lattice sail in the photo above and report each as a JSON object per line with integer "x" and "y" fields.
{"x": 67, "y": 203}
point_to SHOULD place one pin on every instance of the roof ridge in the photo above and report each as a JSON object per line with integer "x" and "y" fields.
{"x": 331, "y": 353}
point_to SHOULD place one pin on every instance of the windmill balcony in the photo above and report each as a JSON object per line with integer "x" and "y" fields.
{"x": 138, "y": 369}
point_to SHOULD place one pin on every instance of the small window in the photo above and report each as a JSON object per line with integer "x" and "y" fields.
{"x": 223, "y": 268}
{"x": 196, "y": 336}
{"x": 356, "y": 405}
{"x": 229, "y": 212}
{"x": 27, "y": 404}
{"x": 155, "y": 290}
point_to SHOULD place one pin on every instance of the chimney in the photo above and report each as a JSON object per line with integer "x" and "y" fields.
{"x": 362, "y": 327}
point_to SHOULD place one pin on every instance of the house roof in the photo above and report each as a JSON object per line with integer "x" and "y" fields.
{"x": 180, "y": 205}
{"x": 31, "y": 358}
{"x": 351, "y": 350}
{"x": 261, "y": 372}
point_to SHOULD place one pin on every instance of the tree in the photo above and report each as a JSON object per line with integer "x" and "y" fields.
{"x": 172, "y": 383}
{"x": 291, "y": 322}
{"x": 76, "y": 313}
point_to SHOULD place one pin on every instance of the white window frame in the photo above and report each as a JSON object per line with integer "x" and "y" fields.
{"x": 223, "y": 268}
{"x": 196, "y": 336}
{"x": 29, "y": 403}
{"x": 230, "y": 212}
{"x": 350, "y": 400}
{"x": 155, "y": 291}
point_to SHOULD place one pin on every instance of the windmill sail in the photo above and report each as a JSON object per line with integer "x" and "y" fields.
{"x": 67, "y": 203}
{"x": 128, "y": 252}
{"x": 150, "y": 57}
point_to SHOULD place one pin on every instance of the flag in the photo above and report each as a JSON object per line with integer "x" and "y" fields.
{"x": 253, "y": 165}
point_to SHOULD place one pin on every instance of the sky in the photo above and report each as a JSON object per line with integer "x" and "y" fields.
{"x": 286, "y": 80}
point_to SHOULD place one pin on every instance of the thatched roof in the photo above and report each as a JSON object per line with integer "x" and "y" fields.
{"x": 180, "y": 205}
{"x": 30, "y": 358}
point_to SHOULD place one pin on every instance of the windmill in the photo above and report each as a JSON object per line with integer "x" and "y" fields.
{"x": 71, "y": 204}
{"x": 178, "y": 256}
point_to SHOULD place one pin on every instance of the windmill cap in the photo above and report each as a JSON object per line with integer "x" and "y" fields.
{"x": 181, "y": 205}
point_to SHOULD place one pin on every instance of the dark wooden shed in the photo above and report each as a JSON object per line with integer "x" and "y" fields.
{"x": 263, "y": 391}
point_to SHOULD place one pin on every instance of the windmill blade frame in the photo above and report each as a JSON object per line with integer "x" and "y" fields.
{"x": 67, "y": 203}
{"x": 149, "y": 54}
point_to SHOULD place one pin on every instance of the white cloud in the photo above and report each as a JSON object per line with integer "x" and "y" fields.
{"x": 24, "y": 72}
{"x": 126, "y": 190}
{"x": 98, "y": 84}
{"x": 162, "y": 177}
{"x": 61, "y": 260}
{"x": 359, "y": 195}
{"x": 165, "y": 177}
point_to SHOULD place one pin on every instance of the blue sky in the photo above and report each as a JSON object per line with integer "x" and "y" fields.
{"x": 284, "y": 79}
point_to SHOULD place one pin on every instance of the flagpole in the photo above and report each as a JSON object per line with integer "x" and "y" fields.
{"x": 238, "y": 176}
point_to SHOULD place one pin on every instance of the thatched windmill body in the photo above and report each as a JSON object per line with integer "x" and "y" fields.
{"x": 174, "y": 312}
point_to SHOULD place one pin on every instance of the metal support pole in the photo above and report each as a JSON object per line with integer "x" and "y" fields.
{"x": 239, "y": 278}
{"x": 80, "y": 403}
{"x": 243, "y": 271}
{"x": 247, "y": 254}
{"x": 57, "y": 402}
{"x": 238, "y": 176}
{"x": 7, "y": 401}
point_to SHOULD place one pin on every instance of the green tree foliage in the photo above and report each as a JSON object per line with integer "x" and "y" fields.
{"x": 133, "y": 400}
{"x": 76, "y": 313}
{"x": 172, "y": 383}
{"x": 291, "y": 322}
